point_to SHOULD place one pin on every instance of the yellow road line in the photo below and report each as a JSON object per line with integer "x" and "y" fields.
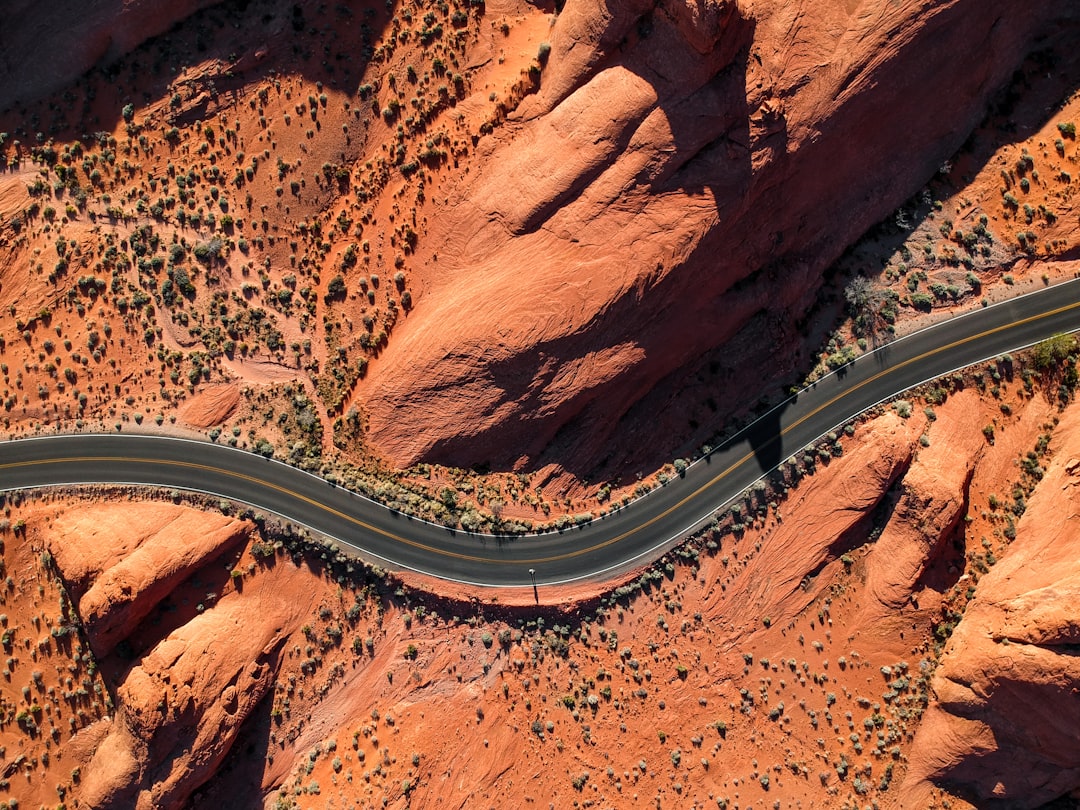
{"x": 251, "y": 479}
{"x": 720, "y": 476}
{"x": 570, "y": 554}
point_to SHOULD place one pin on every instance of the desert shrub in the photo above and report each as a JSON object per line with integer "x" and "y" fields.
{"x": 1053, "y": 351}
{"x": 336, "y": 288}
{"x": 206, "y": 252}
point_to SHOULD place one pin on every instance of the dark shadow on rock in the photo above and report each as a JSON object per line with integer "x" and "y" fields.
{"x": 709, "y": 120}
{"x": 631, "y": 422}
{"x": 248, "y": 41}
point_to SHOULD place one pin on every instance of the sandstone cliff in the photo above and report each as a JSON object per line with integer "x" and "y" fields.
{"x": 182, "y": 677}
{"x": 1002, "y": 730}
{"x": 183, "y": 703}
{"x": 231, "y": 673}
{"x": 926, "y": 513}
{"x": 120, "y": 564}
{"x": 615, "y": 230}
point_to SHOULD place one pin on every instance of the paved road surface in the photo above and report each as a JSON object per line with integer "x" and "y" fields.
{"x": 619, "y": 541}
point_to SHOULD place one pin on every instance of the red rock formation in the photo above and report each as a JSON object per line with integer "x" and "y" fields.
{"x": 45, "y": 46}
{"x": 933, "y": 501}
{"x": 679, "y": 183}
{"x": 1003, "y": 728}
{"x": 829, "y": 505}
{"x": 119, "y": 564}
{"x": 211, "y": 406}
{"x": 182, "y": 704}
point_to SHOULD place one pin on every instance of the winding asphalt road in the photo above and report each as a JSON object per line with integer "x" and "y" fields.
{"x": 619, "y": 541}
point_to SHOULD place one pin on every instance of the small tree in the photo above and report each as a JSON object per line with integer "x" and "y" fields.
{"x": 336, "y": 288}
{"x": 1053, "y": 351}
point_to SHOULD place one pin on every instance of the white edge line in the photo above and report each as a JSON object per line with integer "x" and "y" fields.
{"x": 670, "y": 541}
{"x": 731, "y": 440}
{"x": 364, "y": 553}
{"x": 683, "y": 534}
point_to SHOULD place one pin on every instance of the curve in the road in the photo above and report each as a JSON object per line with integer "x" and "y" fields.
{"x": 619, "y": 540}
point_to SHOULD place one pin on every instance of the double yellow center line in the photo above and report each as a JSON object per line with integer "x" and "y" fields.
{"x": 556, "y": 557}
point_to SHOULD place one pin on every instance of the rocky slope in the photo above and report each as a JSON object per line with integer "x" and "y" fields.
{"x": 43, "y": 48}
{"x": 378, "y": 236}
{"x": 554, "y": 308}
{"x": 121, "y": 565}
{"x": 784, "y": 657}
{"x": 925, "y": 514}
{"x": 542, "y": 263}
{"x": 1001, "y": 730}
